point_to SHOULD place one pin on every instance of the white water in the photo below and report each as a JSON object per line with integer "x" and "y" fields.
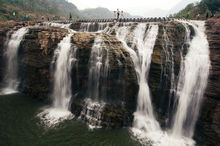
{"x": 144, "y": 120}
{"x": 92, "y": 110}
{"x": 62, "y": 92}
{"x": 95, "y": 67}
{"x": 61, "y": 25}
{"x": 92, "y": 113}
{"x": 10, "y": 81}
{"x": 93, "y": 27}
{"x": 192, "y": 83}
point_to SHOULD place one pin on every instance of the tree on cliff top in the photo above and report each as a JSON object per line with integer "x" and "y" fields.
{"x": 213, "y": 5}
{"x": 202, "y": 8}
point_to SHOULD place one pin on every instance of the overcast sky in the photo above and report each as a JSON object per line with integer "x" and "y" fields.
{"x": 135, "y": 7}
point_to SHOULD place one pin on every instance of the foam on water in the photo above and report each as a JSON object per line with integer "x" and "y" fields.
{"x": 51, "y": 116}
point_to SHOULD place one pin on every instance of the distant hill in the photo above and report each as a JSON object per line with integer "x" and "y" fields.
{"x": 36, "y": 8}
{"x": 100, "y": 13}
{"x": 202, "y": 8}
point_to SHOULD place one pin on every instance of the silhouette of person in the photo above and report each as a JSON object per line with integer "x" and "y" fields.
{"x": 70, "y": 16}
{"x": 118, "y": 14}
{"x": 207, "y": 16}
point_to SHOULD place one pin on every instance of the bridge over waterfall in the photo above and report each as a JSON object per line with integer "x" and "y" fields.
{"x": 156, "y": 19}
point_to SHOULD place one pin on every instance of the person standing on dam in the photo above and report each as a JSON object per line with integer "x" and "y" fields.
{"x": 114, "y": 14}
{"x": 118, "y": 14}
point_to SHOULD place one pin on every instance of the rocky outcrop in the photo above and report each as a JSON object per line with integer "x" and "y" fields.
{"x": 35, "y": 55}
{"x": 208, "y": 125}
{"x": 121, "y": 88}
{"x": 166, "y": 55}
{"x": 120, "y": 100}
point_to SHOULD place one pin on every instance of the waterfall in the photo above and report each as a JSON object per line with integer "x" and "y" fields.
{"x": 93, "y": 27}
{"x": 188, "y": 91}
{"x": 98, "y": 68}
{"x": 64, "y": 58}
{"x": 53, "y": 24}
{"x": 10, "y": 81}
{"x": 144, "y": 120}
{"x": 192, "y": 82}
{"x": 92, "y": 113}
{"x": 95, "y": 64}
{"x": 62, "y": 93}
{"x": 143, "y": 117}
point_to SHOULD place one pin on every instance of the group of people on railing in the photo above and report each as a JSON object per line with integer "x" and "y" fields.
{"x": 118, "y": 14}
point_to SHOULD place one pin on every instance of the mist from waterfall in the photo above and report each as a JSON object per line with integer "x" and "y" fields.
{"x": 11, "y": 82}
{"x": 192, "y": 83}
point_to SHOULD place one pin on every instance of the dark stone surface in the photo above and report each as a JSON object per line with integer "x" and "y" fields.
{"x": 207, "y": 131}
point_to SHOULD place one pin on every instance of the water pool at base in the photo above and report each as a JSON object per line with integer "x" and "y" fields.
{"x": 19, "y": 126}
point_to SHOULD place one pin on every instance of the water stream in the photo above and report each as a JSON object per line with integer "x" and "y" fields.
{"x": 11, "y": 81}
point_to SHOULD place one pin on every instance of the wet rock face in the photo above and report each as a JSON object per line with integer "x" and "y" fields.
{"x": 120, "y": 88}
{"x": 166, "y": 54}
{"x": 35, "y": 55}
{"x": 208, "y": 125}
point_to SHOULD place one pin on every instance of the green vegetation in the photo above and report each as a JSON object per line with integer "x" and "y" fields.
{"x": 36, "y": 9}
{"x": 203, "y": 8}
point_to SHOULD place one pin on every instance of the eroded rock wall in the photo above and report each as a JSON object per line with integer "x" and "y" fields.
{"x": 35, "y": 56}
{"x": 208, "y": 125}
{"x": 121, "y": 87}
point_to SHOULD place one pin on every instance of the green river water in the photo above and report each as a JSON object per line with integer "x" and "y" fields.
{"x": 19, "y": 126}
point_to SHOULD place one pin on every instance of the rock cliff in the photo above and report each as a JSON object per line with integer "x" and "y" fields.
{"x": 208, "y": 125}
{"x": 37, "y": 49}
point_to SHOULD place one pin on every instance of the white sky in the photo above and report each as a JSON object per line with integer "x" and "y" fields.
{"x": 134, "y": 7}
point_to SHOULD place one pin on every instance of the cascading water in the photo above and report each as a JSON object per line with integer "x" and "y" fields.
{"x": 11, "y": 82}
{"x": 144, "y": 120}
{"x": 92, "y": 113}
{"x": 192, "y": 83}
{"x": 64, "y": 57}
{"x": 95, "y": 65}
{"x": 61, "y": 25}
{"x": 93, "y": 107}
{"x": 62, "y": 85}
{"x": 93, "y": 27}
